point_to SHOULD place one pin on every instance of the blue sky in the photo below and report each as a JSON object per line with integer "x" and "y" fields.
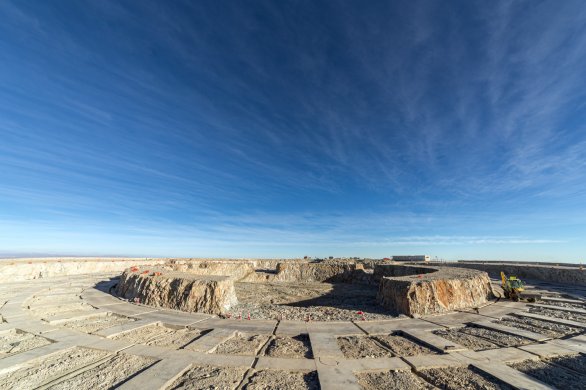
{"x": 284, "y": 129}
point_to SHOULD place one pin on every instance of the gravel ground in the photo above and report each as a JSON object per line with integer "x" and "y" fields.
{"x": 391, "y": 380}
{"x": 15, "y": 341}
{"x": 300, "y": 301}
{"x": 500, "y": 338}
{"x": 551, "y": 375}
{"x": 565, "y": 315}
{"x": 107, "y": 374}
{"x": 50, "y": 367}
{"x": 456, "y": 378}
{"x": 242, "y": 344}
{"x": 207, "y": 378}
{"x": 575, "y": 362}
{"x": 290, "y": 347}
{"x": 550, "y": 329}
{"x": 403, "y": 346}
{"x": 565, "y": 304}
{"x": 358, "y": 347}
{"x": 466, "y": 340}
{"x": 276, "y": 379}
{"x": 95, "y": 324}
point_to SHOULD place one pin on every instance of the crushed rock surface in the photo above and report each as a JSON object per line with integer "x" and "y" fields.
{"x": 15, "y": 341}
{"x": 206, "y": 377}
{"x": 500, "y": 338}
{"x": 565, "y": 315}
{"x": 49, "y": 367}
{"x": 456, "y": 378}
{"x": 550, "y": 329}
{"x": 242, "y": 344}
{"x": 106, "y": 375}
{"x": 290, "y": 347}
{"x": 358, "y": 347}
{"x": 277, "y": 379}
{"x": 550, "y": 374}
{"x": 95, "y": 324}
{"x": 402, "y": 346}
{"x": 574, "y": 362}
{"x": 472, "y": 342}
{"x": 571, "y": 305}
{"x": 391, "y": 380}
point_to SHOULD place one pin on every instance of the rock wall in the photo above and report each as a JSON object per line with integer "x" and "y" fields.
{"x": 210, "y": 294}
{"x": 25, "y": 269}
{"x": 440, "y": 290}
{"x": 550, "y": 273}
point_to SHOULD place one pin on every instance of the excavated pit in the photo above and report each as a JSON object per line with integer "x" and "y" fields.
{"x": 242, "y": 344}
{"x": 279, "y": 379}
{"x": 478, "y": 339}
{"x": 15, "y": 341}
{"x": 301, "y": 290}
{"x": 552, "y": 374}
{"x": 207, "y": 377}
{"x": 564, "y": 315}
{"x": 403, "y": 346}
{"x": 547, "y": 328}
{"x": 360, "y": 347}
{"x": 391, "y": 380}
{"x": 457, "y": 378}
{"x": 51, "y": 366}
{"x": 296, "y": 347}
{"x": 96, "y": 323}
{"x": 159, "y": 335}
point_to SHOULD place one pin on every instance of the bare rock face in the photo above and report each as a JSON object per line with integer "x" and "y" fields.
{"x": 439, "y": 290}
{"x": 211, "y": 294}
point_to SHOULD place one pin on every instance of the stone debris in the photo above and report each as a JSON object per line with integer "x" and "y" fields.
{"x": 242, "y": 344}
{"x": 15, "y": 341}
{"x": 206, "y": 377}
{"x": 391, "y": 380}
{"x": 564, "y": 315}
{"x": 359, "y": 347}
{"x": 277, "y": 379}
{"x": 290, "y": 347}
{"x": 574, "y": 362}
{"x": 456, "y": 378}
{"x": 553, "y": 375}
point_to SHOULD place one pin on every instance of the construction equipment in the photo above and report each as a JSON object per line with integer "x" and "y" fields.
{"x": 512, "y": 286}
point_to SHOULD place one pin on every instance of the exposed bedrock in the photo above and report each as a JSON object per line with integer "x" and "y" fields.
{"x": 431, "y": 290}
{"x": 212, "y": 294}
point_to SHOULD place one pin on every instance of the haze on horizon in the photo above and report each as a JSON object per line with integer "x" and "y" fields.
{"x": 283, "y": 129}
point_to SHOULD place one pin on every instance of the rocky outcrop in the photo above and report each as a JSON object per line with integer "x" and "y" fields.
{"x": 433, "y": 291}
{"x": 210, "y": 294}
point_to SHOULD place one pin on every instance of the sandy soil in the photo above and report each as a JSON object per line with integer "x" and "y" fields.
{"x": 143, "y": 334}
{"x": 466, "y": 340}
{"x": 51, "y": 311}
{"x": 275, "y": 379}
{"x": 15, "y": 341}
{"x": 358, "y": 347}
{"x": 206, "y": 377}
{"x": 500, "y": 338}
{"x": 242, "y": 344}
{"x": 550, "y": 374}
{"x": 290, "y": 347}
{"x": 558, "y": 314}
{"x": 456, "y": 378}
{"x": 95, "y": 324}
{"x": 297, "y": 301}
{"x": 402, "y": 346}
{"x": 106, "y": 375}
{"x": 50, "y": 367}
{"x": 391, "y": 380}
{"x": 550, "y": 329}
